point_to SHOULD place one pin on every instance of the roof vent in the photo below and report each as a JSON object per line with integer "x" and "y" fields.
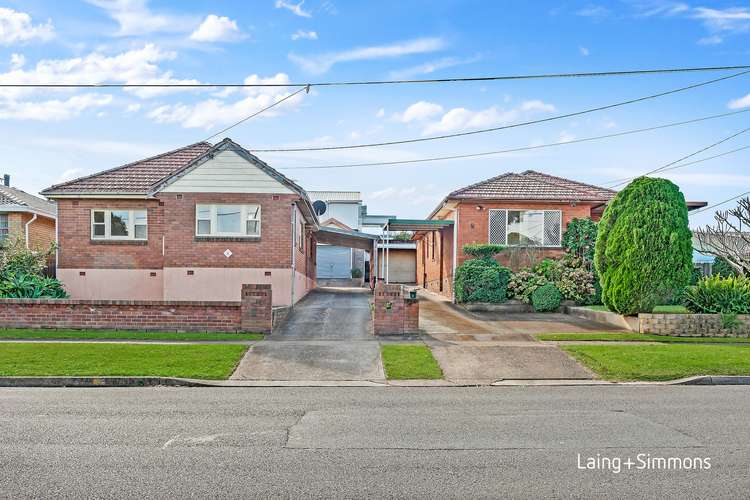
{"x": 6, "y": 180}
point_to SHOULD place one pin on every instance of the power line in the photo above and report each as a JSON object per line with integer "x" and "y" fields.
{"x": 257, "y": 113}
{"x": 720, "y": 203}
{"x": 504, "y": 127}
{"x": 694, "y": 153}
{"x": 381, "y": 82}
{"x": 519, "y": 149}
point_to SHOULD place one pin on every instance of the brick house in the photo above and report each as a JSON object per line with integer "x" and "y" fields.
{"x": 191, "y": 224}
{"x": 527, "y": 212}
{"x": 26, "y": 216}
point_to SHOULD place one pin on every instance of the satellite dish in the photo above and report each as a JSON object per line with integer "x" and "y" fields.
{"x": 320, "y": 207}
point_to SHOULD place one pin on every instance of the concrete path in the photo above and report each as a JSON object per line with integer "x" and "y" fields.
{"x": 328, "y": 336}
{"x": 486, "y": 347}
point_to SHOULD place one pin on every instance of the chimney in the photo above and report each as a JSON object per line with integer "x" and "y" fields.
{"x": 6, "y": 180}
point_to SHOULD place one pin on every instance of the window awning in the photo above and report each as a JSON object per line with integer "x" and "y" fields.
{"x": 416, "y": 224}
{"x": 345, "y": 238}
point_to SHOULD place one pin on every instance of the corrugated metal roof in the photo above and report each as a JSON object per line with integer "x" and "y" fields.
{"x": 335, "y": 195}
{"x": 14, "y": 196}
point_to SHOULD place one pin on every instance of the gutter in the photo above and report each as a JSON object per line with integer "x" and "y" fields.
{"x": 26, "y": 229}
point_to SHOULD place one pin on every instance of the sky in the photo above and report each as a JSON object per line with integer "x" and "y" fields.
{"x": 53, "y": 135}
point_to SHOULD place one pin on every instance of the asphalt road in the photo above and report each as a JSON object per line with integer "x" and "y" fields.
{"x": 509, "y": 442}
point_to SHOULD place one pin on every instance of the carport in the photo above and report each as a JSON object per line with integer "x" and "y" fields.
{"x": 352, "y": 239}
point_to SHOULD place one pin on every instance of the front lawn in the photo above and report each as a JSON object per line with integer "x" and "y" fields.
{"x": 409, "y": 361}
{"x": 27, "y": 333}
{"x": 662, "y": 362}
{"x": 81, "y": 359}
{"x": 637, "y": 337}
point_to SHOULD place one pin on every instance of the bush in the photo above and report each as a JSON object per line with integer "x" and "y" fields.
{"x": 579, "y": 238}
{"x": 481, "y": 280}
{"x": 523, "y": 283}
{"x": 568, "y": 274}
{"x": 30, "y": 286}
{"x": 644, "y": 247}
{"x": 356, "y": 272}
{"x": 546, "y": 298}
{"x": 482, "y": 250}
{"x": 722, "y": 268}
{"x": 16, "y": 258}
{"x": 716, "y": 294}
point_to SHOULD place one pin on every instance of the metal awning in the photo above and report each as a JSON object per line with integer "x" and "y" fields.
{"x": 416, "y": 224}
{"x": 345, "y": 238}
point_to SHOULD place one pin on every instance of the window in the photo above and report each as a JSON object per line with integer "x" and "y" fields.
{"x": 119, "y": 224}
{"x": 227, "y": 220}
{"x": 3, "y": 226}
{"x": 525, "y": 227}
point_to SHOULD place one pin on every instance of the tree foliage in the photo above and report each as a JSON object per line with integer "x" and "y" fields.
{"x": 579, "y": 238}
{"x": 643, "y": 251}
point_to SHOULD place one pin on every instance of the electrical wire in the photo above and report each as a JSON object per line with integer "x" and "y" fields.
{"x": 381, "y": 82}
{"x": 503, "y": 127}
{"x": 718, "y": 204}
{"x": 518, "y": 149}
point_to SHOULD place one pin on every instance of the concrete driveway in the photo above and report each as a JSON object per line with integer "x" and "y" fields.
{"x": 487, "y": 347}
{"x": 328, "y": 336}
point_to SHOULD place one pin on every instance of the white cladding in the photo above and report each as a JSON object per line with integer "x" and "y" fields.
{"x": 227, "y": 172}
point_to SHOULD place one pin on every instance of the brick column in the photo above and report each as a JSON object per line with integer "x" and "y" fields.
{"x": 256, "y": 309}
{"x": 393, "y": 313}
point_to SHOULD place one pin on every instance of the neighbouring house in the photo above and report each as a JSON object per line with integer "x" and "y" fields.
{"x": 26, "y": 216}
{"x": 527, "y": 212}
{"x": 191, "y": 224}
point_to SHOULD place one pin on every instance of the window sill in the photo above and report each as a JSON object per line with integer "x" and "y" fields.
{"x": 120, "y": 242}
{"x": 236, "y": 239}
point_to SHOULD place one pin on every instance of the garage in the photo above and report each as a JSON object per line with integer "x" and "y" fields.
{"x": 334, "y": 262}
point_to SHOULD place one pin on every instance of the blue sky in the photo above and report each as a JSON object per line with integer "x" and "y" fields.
{"x": 50, "y": 136}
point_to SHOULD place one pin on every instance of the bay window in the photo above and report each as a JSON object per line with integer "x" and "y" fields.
{"x": 512, "y": 227}
{"x": 241, "y": 221}
{"x": 119, "y": 224}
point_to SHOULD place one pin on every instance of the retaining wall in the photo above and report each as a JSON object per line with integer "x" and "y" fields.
{"x": 692, "y": 325}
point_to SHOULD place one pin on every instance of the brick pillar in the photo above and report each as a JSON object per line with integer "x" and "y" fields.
{"x": 393, "y": 313}
{"x": 256, "y": 309}
{"x": 411, "y": 315}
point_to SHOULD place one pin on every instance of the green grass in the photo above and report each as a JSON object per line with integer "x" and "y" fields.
{"x": 25, "y": 333}
{"x": 662, "y": 362}
{"x": 657, "y": 309}
{"x": 410, "y": 361}
{"x": 637, "y": 337}
{"x": 85, "y": 359}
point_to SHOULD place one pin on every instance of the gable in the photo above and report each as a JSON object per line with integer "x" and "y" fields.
{"x": 227, "y": 172}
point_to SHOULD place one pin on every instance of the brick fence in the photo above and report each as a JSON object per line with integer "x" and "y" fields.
{"x": 692, "y": 325}
{"x": 393, "y": 312}
{"x": 252, "y": 314}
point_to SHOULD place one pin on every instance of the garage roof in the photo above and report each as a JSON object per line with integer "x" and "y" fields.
{"x": 417, "y": 224}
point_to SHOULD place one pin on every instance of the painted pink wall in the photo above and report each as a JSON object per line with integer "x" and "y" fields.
{"x": 113, "y": 284}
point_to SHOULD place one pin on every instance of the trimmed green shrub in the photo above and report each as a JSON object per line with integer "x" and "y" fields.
{"x": 722, "y": 268}
{"x": 482, "y": 250}
{"x": 481, "y": 280}
{"x": 643, "y": 251}
{"x": 716, "y": 294}
{"x": 546, "y": 298}
{"x": 579, "y": 238}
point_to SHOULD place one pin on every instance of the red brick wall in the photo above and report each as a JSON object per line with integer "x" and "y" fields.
{"x": 429, "y": 250}
{"x": 473, "y": 227}
{"x": 41, "y": 233}
{"x": 257, "y": 312}
{"x": 394, "y": 314}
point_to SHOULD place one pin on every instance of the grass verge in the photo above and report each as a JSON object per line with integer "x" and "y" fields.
{"x": 25, "y": 333}
{"x": 639, "y": 337}
{"x": 662, "y": 362}
{"x": 80, "y": 359}
{"x": 409, "y": 361}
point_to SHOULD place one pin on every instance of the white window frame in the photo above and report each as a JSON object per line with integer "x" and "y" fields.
{"x": 108, "y": 224}
{"x": 244, "y": 217}
{"x": 4, "y": 228}
{"x": 506, "y": 210}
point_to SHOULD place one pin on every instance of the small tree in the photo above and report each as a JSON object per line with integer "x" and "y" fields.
{"x": 579, "y": 239}
{"x": 643, "y": 251}
{"x": 730, "y": 238}
{"x": 481, "y": 279}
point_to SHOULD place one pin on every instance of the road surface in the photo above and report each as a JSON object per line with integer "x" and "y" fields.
{"x": 502, "y": 442}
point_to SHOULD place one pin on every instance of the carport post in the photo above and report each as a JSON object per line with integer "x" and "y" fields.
{"x": 387, "y": 251}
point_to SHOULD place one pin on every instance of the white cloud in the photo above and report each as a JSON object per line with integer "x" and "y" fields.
{"x": 431, "y": 67}
{"x": 127, "y": 149}
{"x": 136, "y": 18}
{"x": 380, "y": 113}
{"x": 323, "y": 62}
{"x": 217, "y": 29}
{"x": 733, "y": 19}
{"x": 466, "y": 119}
{"x": 421, "y": 110}
{"x": 710, "y": 40}
{"x": 17, "y": 61}
{"x": 69, "y": 175}
{"x": 52, "y": 110}
{"x": 566, "y": 136}
{"x": 214, "y": 112}
{"x": 132, "y": 108}
{"x": 595, "y": 11}
{"x": 295, "y": 9}
{"x": 742, "y": 102}
{"x": 304, "y": 35}
{"x": 17, "y": 27}
{"x": 584, "y": 51}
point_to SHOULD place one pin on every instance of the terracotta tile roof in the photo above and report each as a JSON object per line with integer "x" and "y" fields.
{"x": 133, "y": 178}
{"x": 13, "y": 197}
{"x": 531, "y": 185}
